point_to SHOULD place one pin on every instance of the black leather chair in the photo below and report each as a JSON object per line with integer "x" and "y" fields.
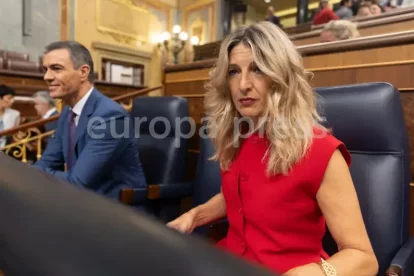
{"x": 50, "y": 227}
{"x": 369, "y": 119}
{"x": 163, "y": 147}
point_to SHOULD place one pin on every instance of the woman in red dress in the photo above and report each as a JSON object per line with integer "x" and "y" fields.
{"x": 284, "y": 176}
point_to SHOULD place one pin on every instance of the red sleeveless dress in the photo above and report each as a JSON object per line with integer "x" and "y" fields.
{"x": 276, "y": 221}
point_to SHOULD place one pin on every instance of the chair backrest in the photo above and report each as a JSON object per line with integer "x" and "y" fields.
{"x": 21, "y": 65}
{"x": 12, "y": 55}
{"x": 369, "y": 119}
{"x": 49, "y": 227}
{"x": 163, "y": 144}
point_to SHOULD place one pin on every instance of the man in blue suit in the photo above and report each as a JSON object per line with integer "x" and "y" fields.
{"x": 95, "y": 135}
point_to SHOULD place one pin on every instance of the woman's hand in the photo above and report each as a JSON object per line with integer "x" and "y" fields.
{"x": 184, "y": 224}
{"x": 306, "y": 270}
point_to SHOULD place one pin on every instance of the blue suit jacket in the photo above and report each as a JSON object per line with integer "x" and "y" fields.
{"x": 51, "y": 125}
{"x": 106, "y": 150}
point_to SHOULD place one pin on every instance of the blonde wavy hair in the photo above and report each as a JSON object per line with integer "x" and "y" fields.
{"x": 290, "y": 114}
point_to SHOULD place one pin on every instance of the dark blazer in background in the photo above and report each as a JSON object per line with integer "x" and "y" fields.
{"x": 51, "y": 125}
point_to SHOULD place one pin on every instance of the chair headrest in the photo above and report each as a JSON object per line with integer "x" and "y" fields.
{"x": 161, "y": 115}
{"x": 49, "y": 227}
{"x": 366, "y": 117}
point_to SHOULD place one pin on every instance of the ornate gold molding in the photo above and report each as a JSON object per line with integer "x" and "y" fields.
{"x": 161, "y": 7}
{"x": 211, "y": 5}
{"x": 119, "y": 29}
{"x": 199, "y": 4}
{"x": 120, "y": 49}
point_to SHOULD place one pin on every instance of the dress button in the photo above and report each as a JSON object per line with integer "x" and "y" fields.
{"x": 240, "y": 210}
{"x": 244, "y": 177}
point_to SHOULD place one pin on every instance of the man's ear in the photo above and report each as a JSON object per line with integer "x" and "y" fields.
{"x": 84, "y": 71}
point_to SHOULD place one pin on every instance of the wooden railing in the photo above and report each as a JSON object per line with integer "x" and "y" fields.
{"x": 28, "y": 139}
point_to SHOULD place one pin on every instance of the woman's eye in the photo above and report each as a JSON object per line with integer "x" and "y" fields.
{"x": 257, "y": 70}
{"x": 232, "y": 72}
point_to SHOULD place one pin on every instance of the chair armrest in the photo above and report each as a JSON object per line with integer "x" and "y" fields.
{"x": 131, "y": 196}
{"x": 174, "y": 190}
{"x": 403, "y": 262}
{"x": 139, "y": 196}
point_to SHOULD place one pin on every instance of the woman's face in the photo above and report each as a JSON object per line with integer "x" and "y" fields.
{"x": 6, "y": 101}
{"x": 375, "y": 9}
{"x": 248, "y": 85}
{"x": 364, "y": 11}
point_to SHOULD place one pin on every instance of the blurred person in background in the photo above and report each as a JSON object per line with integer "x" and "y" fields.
{"x": 339, "y": 30}
{"x": 45, "y": 107}
{"x": 325, "y": 14}
{"x": 345, "y": 11}
{"x": 271, "y": 17}
{"x": 9, "y": 118}
{"x": 364, "y": 10}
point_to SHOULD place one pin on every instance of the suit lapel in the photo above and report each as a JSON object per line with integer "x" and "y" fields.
{"x": 65, "y": 134}
{"x": 84, "y": 117}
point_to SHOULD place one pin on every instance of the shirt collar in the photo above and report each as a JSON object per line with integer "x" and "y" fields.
{"x": 49, "y": 113}
{"x": 77, "y": 109}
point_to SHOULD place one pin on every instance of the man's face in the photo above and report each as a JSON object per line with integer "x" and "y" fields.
{"x": 60, "y": 75}
{"x": 40, "y": 106}
{"x": 327, "y": 36}
{"x": 270, "y": 12}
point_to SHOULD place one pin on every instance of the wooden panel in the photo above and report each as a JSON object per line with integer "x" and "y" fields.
{"x": 398, "y": 75}
{"x": 184, "y": 88}
{"x": 359, "y": 57}
{"x": 186, "y": 76}
{"x": 26, "y": 109}
{"x": 388, "y": 28}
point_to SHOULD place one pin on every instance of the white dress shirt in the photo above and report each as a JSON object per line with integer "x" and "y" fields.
{"x": 49, "y": 113}
{"x": 77, "y": 109}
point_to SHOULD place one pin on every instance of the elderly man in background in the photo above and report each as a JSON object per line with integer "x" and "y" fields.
{"x": 339, "y": 30}
{"x": 45, "y": 107}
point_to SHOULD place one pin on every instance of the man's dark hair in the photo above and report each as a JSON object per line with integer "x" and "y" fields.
{"x": 79, "y": 54}
{"x": 6, "y": 90}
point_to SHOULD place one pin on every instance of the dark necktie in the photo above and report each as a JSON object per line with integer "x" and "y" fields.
{"x": 71, "y": 147}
